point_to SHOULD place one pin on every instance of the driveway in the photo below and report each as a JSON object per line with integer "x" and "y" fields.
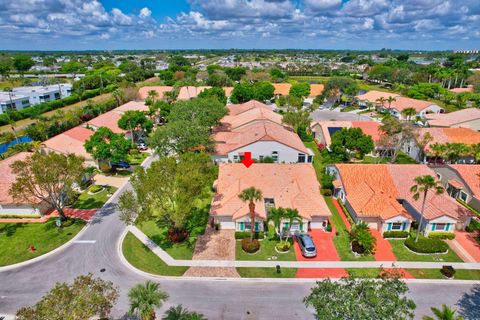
{"x": 116, "y": 182}
{"x": 326, "y": 115}
{"x": 326, "y": 251}
{"x": 465, "y": 246}
{"x": 214, "y": 245}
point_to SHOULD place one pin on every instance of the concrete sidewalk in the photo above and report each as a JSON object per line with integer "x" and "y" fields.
{"x": 292, "y": 264}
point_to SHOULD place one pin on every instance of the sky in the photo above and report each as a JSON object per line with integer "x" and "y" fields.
{"x": 239, "y": 24}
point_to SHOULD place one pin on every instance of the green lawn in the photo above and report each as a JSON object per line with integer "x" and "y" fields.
{"x": 141, "y": 257}
{"x": 266, "y": 272}
{"x": 137, "y": 159}
{"x": 16, "y": 238}
{"x": 158, "y": 234}
{"x": 342, "y": 240}
{"x": 364, "y": 272}
{"x": 317, "y": 159}
{"x": 266, "y": 252}
{"x": 404, "y": 254}
{"x": 93, "y": 201}
{"x": 435, "y": 274}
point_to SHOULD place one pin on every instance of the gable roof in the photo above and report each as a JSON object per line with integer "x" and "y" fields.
{"x": 402, "y": 103}
{"x": 70, "y": 141}
{"x": 132, "y": 106}
{"x": 290, "y": 185}
{"x": 453, "y": 118}
{"x": 470, "y": 174}
{"x": 449, "y": 135}
{"x": 8, "y": 178}
{"x": 161, "y": 90}
{"x": 252, "y": 115}
{"x": 258, "y": 131}
{"x": 373, "y": 190}
{"x": 236, "y": 109}
{"x": 109, "y": 120}
{"x": 370, "y": 128}
{"x": 373, "y": 95}
{"x": 460, "y": 90}
{"x": 190, "y": 92}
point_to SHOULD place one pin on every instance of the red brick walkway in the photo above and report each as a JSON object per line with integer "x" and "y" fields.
{"x": 326, "y": 251}
{"x": 341, "y": 213}
{"x": 72, "y": 213}
{"x": 384, "y": 252}
{"x": 467, "y": 241}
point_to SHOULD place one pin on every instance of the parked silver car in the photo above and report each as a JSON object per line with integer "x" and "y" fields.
{"x": 306, "y": 245}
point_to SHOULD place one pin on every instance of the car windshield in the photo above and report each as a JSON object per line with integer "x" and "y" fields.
{"x": 309, "y": 246}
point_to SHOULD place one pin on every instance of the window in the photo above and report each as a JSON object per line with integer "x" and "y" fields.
{"x": 248, "y": 225}
{"x": 275, "y": 156}
{"x": 25, "y": 102}
{"x": 310, "y": 158}
{"x": 269, "y": 202}
{"x": 301, "y": 158}
{"x": 235, "y": 158}
{"x": 440, "y": 226}
{"x": 261, "y": 158}
{"x": 57, "y": 96}
{"x": 463, "y": 196}
{"x": 397, "y": 226}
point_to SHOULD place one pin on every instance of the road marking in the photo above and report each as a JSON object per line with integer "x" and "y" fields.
{"x": 84, "y": 241}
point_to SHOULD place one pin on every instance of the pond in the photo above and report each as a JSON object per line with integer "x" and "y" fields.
{"x": 4, "y": 147}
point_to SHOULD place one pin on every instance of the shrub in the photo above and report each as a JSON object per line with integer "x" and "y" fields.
{"x": 271, "y": 232}
{"x": 425, "y": 245}
{"x": 283, "y": 246}
{"x": 250, "y": 246}
{"x": 20, "y": 216}
{"x": 473, "y": 226}
{"x": 95, "y": 188}
{"x": 326, "y": 192}
{"x": 441, "y": 235}
{"x": 395, "y": 234}
{"x": 361, "y": 236}
{"x": 177, "y": 235}
{"x": 357, "y": 247}
{"x": 448, "y": 271}
{"x": 329, "y": 227}
{"x": 239, "y": 235}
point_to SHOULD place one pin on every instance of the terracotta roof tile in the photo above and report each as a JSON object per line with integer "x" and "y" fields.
{"x": 470, "y": 174}
{"x": 70, "y": 141}
{"x": 282, "y": 88}
{"x": 161, "y": 90}
{"x": 132, "y": 106}
{"x": 450, "y": 135}
{"x": 403, "y": 103}
{"x": 373, "y": 95}
{"x": 109, "y": 120}
{"x": 190, "y": 92}
{"x": 315, "y": 90}
{"x": 290, "y": 185}
{"x": 453, "y": 118}
{"x": 8, "y": 177}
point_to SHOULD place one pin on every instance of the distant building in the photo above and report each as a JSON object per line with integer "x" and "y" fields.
{"x": 40, "y": 94}
{"x": 12, "y": 101}
{"x": 467, "y": 51}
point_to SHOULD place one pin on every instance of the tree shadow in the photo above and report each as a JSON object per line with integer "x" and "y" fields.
{"x": 105, "y": 211}
{"x": 469, "y": 304}
{"x": 11, "y": 228}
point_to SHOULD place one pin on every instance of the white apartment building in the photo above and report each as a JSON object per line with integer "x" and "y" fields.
{"x": 12, "y": 101}
{"x": 40, "y": 94}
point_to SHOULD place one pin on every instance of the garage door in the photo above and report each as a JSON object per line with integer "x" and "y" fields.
{"x": 373, "y": 225}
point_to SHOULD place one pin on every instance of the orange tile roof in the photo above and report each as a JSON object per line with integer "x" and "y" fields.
{"x": 258, "y": 131}
{"x": 372, "y": 190}
{"x": 403, "y": 103}
{"x": 460, "y": 90}
{"x": 456, "y": 184}
{"x": 315, "y": 90}
{"x": 8, "y": 178}
{"x": 143, "y": 91}
{"x": 290, "y": 185}
{"x": 190, "y": 92}
{"x": 373, "y": 95}
{"x": 370, "y": 128}
{"x": 236, "y": 109}
{"x": 109, "y": 120}
{"x": 470, "y": 174}
{"x": 250, "y": 116}
{"x": 70, "y": 141}
{"x": 282, "y": 88}
{"x": 132, "y": 106}
{"x": 453, "y": 118}
{"x": 450, "y": 135}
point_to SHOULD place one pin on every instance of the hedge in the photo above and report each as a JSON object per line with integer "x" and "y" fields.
{"x": 425, "y": 245}
{"x": 441, "y": 235}
{"x": 239, "y": 235}
{"x": 395, "y": 234}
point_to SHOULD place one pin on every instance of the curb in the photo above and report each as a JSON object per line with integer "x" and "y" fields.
{"x": 261, "y": 280}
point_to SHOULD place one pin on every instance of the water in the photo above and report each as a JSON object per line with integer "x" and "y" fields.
{"x": 4, "y": 147}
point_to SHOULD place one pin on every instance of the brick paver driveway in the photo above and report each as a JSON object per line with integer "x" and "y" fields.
{"x": 214, "y": 245}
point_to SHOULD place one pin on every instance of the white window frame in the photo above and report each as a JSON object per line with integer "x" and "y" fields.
{"x": 463, "y": 193}
{"x": 397, "y": 229}
{"x": 441, "y": 224}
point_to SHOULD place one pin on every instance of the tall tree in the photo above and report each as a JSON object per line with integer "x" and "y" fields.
{"x": 85, "y": 298}
{"x": 424, "y": 184}
{"x": 251, "y": 195}
{"x": 105, "y": 145}
{"x": 396, "y": 134}
{"x": 390, "y": 100}
{"x": 446, "y": 313}
{"x": 135, "y": 121}
{"x": 361, "y": 299}
{"x": 300, "y": 89}
{"x": 144, "y": 298}
{"x": 5, "y": 66}
{"x": 203, "y": 111}
{"x": 408, "y": 113}
{"x": 351, "y": 141}
{"x": 297, "y": 119}
{"x": 215, "y": 92}
{"x": 118, "y": 95}
{"x": 46, "y": 177}
{"x": 22, "y": 63}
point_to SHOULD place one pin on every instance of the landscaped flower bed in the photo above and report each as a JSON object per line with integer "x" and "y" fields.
{"x": 250, "y": 246}
{"x": 425, "y": 245}
{"x": 283, "y": 246}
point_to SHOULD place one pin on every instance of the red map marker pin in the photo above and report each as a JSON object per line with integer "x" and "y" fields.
{"x": 247, "y": 159}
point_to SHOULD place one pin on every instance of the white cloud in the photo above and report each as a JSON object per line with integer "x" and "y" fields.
{"x": 145, "y": 13}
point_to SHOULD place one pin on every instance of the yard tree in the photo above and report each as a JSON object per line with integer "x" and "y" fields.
{"x": 135, "y": 121}
{"x": 263, "y": 90}
{"x": 335, "y": 86}
{"x": 5, "y": 66}
{"x": 145, "y": 298}
{"x": 242, "y": 92}
{"x": 215, "y": 92}
{"x": 251, "y": 195}
{"x": 179, "y": 137}
{"x": 105, "y": 145}
{"x": 72, "y": 67}
{"x": 85, "y": 298}
{"x": 300, "y": 89}
{"x": 128, "y": 207}
{"x": 409, "y": 113}
{"x": 297, "y": 119}
{"x": 423, "y": 185}
{"x": 168, "y": 190}
{"x": 22, "y": 63}
{"x": 361, "y": 299}
{"x": 351, "y": 141}
{"x": 396, "y": 134}
{"x": 219, "y": 79}
{"x": 236, "y": 73}
{"x": 277, "y": 75}
{"x": 202, "y": 111}
{"x": 46, "y": 177}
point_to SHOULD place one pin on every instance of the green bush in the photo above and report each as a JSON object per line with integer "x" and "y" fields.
{"x": 326, "y": 192}
{"x": 95, "y": 188}
{"x": 250, "y": 246}
{"x": 329, "y": 227}
{"x": 283, "y": 246}
{"x": 271, "y": 232}
{"x": 362, "y": 239}
{"x": 395, "y": 234}
{"x": 441, "y": 235}
{"x": 239, "y": 235}
{"x": 20, "y": 216}
{"x": 425, "y": 245}
{"x": 473, "y": 226}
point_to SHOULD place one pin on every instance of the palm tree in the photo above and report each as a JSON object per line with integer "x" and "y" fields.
{"x": 409, "y": 113}
{"x": 438, "y": 150}
{"x": 152, "y": 95}
{"x": 181, "y": 313}
{"x": 381, "y": 101}
{"x": 144, "y": 298}
{"x": 251, "y": 195}
{"x": 276, "y": 215}
{"x": 390, "y": 99}
{"x": 118, "y": 95}
{"x": 446, "y": 313}
{"x": 291, "y": 215}
{"x": 423, "y": 184}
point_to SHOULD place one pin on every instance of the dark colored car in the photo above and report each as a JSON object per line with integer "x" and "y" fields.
{"x": 120, "y": 164}
{"x": 306, "y": 245}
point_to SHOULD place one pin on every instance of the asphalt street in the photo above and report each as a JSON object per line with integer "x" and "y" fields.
{"x": 216, "y": 299}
